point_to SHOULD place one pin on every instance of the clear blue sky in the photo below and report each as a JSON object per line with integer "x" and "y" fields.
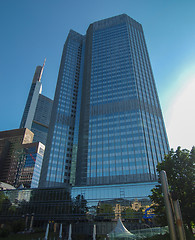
{"x": 33, "y": 30}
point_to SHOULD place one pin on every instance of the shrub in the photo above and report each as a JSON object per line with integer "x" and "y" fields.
{"x": 18, "y": 226}
{"x": 4, "y": 232}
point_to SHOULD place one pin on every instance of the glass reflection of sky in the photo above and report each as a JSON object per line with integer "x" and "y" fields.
{"x": 94, "y": 194}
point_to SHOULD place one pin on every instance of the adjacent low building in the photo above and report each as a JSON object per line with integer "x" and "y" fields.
{"x": 12, "y": 154}
{"x": 20, "y": 159}
{"x": 30, "y": 173}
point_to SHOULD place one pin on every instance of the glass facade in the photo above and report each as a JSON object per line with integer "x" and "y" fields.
{"x": 37, "y": 111}
{"x": 41, "y": 119}
{"x": 38, "y": 207}
{"x": 107, "y": 125}
{"x": 30, "y": 107}
{"x": 123, "y": 135}
{"x": 57, "y": 160}
{"x": 33, "y": 157}
{"x": 12, "y": 157}
{"x": 94, "y": 194}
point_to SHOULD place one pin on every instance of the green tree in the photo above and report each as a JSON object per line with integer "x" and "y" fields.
{"x": 179, "y": 167}
{"x": 105, "y": 211}
{"x": 80, "y": 205}
{"x": 128, "y": 213}
{"x": 50, "y": 204}
{"x": 5, "y": 204}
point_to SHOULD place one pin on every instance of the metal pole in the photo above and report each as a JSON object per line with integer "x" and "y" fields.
{"x": 54, "y": 227}
{"x": 168, "y": 208}
{"x": 94, "y": 232}
{"x": 70, "y": 232}
{"x": 31, "y": 222}
{"x": 47, "y": 231}
{"x": 179, "y": 222}
{"x": 26, "y": 222}
{"x": 60, "y": 233}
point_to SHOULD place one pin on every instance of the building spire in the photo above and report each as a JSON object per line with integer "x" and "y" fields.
{"x": 42, "y": 70}
{"x": 44, "y": 63}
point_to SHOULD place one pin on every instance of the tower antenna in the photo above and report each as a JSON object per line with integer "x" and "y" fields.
{"x": 42, "y": 70}
{"x": 44, "y": 63}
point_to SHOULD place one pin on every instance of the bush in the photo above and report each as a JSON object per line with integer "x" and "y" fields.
{"x": 38, "y": 230}
{"x": 189, "y": 235}
{"x": 18, "y": 226}
{"x": 4, "y": 232}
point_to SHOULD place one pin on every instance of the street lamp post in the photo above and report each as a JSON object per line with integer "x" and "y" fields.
{"x": 168, "y": 208}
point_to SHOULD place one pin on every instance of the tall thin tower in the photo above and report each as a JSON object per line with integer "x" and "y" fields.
{"x": 33, "y": 96}
{"x": 37, "y": 111}
{"x": 57, "y": 161}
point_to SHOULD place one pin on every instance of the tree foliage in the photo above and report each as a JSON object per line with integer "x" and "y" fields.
{"x": 105, "y": 211}
{"x": 128, "y": 213}
{"x": 80, "y": 206}
{"x": 179, "y": 167}
{"x": 50, "y": 204}
{"x": 5, "y": 204}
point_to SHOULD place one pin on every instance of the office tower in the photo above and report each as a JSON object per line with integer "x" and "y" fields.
{"x": 122, "y": 137}
{"x": 41, "y": 119}
{"x": 33, "y": 96}
{"x": 20, "y": 158}
{"x": 30, "y": 173}
{"x": 12, "y": 157}
{"x": 106, "y": 108}
{"x": 37, "y": 111}
{"x": 58, "y": 152}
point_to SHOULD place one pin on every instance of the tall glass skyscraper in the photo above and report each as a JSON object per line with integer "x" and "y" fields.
{"x": 106, "y": 118}
{"x": 56, "y": 169}
{"x": 33, "y": 96}
{"x": 37, "y": 110}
